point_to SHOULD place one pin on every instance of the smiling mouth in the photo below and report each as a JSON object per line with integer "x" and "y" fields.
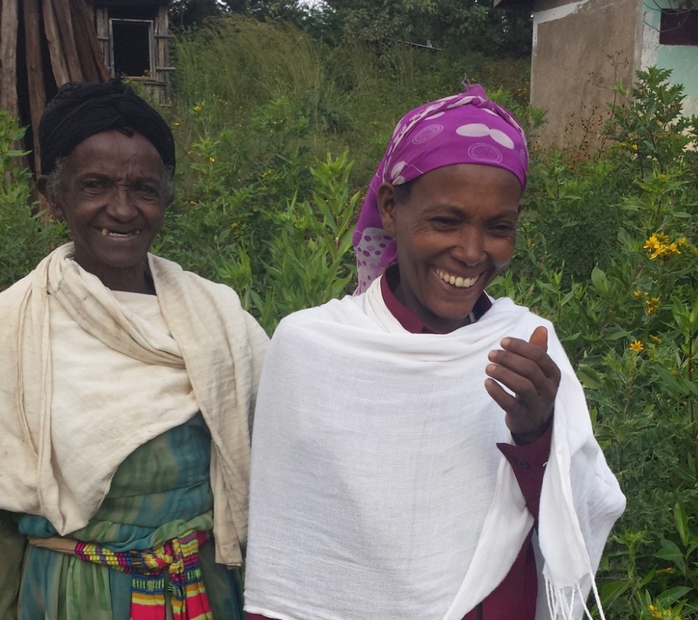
{"x": 457, "y": 281}
{"x": 112, "y": 233}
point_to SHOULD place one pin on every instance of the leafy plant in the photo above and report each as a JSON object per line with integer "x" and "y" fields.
{"x": 27, "y": 233}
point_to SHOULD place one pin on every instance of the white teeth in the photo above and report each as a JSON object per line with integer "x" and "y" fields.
{"x": 108, "y": 233}
{"x": 456, "y": 281}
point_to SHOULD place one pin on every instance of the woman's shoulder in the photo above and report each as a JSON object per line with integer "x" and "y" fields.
{"x": 520, "y": 317}
{"x": 169, "y": 273}
{"x": 13, "y": 295}
{"x": 505, "y": 306}
{"x": 345, "y": 311}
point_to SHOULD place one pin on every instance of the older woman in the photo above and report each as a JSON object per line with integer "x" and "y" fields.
{"x": 126, "y": 387}
{"x": 418, "y": 445}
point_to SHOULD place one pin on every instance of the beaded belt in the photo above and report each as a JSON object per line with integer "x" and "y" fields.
{"x": 178, "y": 559}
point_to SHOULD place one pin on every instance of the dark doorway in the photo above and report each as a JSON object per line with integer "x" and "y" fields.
{"x": 131, "y": 41}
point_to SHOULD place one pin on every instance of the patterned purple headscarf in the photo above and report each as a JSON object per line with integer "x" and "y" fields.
{"x": 466, "y": 128}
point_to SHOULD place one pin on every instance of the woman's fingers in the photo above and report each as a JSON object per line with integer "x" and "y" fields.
{"x": 539, "y": 338}
{"x": 529, "y": 373}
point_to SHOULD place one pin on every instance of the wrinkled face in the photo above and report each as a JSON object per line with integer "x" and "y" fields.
{"x": 454, "y": 234}
{"x": 113, "y": 201}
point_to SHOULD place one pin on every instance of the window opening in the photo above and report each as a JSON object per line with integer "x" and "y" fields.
{"x": 132, "y": 45}
{"x": 679, "y": 28}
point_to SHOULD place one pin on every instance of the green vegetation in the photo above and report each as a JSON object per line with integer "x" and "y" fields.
{"x": 291, "y": 125}
{"x": 26, "y": 236}
{"x": 608, "y": 251}
{"x": 278, "y": 136}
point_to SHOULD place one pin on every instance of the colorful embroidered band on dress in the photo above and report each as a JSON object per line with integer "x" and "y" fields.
{"x": 179, "y": 556}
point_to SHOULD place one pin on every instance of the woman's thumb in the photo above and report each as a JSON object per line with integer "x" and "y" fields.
{"x": 539, "y": 337}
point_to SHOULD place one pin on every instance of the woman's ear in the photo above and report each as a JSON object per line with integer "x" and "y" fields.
{"x": 386, "y": 207}
{"x": 56, "y": 210}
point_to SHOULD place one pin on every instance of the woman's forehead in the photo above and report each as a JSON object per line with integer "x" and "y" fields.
{"x": 114, "y": 151}
{"x": 487, "y": 190}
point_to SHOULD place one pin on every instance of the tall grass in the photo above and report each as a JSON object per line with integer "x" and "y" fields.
{"x": 347, "y": 97}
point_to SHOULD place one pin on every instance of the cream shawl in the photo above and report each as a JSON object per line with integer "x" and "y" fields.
{"x": 220, "y": 346}
{"x": 377, "y": 489}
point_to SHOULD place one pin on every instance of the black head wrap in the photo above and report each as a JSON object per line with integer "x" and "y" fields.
{"x": 81, "y": 109}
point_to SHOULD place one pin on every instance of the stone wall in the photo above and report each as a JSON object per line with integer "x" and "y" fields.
{"x": 580, "y": 50}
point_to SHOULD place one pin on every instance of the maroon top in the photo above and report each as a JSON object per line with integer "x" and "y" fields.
{"x": 515, "y": 597}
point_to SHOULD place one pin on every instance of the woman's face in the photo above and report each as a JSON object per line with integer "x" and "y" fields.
{"x": 113, "y": 201}
{"x": 454, "y": 234}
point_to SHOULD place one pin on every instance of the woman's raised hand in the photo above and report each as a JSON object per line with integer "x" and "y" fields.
{"x": 526, "y": 369}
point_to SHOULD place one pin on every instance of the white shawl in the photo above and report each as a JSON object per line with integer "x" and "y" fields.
{"x": 377, "y": 489}
{"x": 220, "y": 346}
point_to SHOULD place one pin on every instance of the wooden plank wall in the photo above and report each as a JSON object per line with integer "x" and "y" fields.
{"x": 8, "y": 56}
{"x": 61, "y": 45}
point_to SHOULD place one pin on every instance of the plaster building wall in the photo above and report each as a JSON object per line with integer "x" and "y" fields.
{"x": 681, "y": 59}
{"x": 580, "y": 50}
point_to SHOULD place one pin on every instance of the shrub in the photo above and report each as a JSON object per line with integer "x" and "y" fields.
{"x": 26, "y": 232}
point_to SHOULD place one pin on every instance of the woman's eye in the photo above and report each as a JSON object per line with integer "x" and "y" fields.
{"x": 93, "y": 186}
{"x": 503, "y": 228}
{"x": 148, "y": 191}
{"x": 444, "y": 222}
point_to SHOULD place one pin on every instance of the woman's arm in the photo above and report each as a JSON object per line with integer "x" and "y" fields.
{"x": 12, "y": 545}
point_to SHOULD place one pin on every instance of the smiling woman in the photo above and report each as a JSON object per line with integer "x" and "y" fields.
{"x": 126, "y": 390}
{"x": 457, "y": 231}
{"x": 419, "y": 444}
{"x": 112, "y": 192}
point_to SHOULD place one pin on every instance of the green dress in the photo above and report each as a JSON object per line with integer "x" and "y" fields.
{"x": 159, "y": 492}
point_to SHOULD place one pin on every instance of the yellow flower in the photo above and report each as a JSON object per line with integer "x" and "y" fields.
{"x": 634, "y": 147}
{"x": 665, "y": 571}
{"x": 651, "y": 305}
{"x": 658, "y": 245}
{"x": 637, "y": 346}
{"x": 652, "y": 243}
{"x": 212, "y": 160}
{"x": 654, "y": 611}
{"x": 192, "y": 202}
{"x": 637, "y": 294}
{"x": 681, "y": 240}
{"x": 656, "y": 340}
{"x": 197, "y": 108}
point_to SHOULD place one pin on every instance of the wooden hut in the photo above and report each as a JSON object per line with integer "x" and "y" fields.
{"x": 46, "y": 43}
{"x": 134, "y": 38}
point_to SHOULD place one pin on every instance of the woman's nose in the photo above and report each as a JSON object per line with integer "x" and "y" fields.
{"x": 122, "y": 206}
{"x": 470, "y": 246}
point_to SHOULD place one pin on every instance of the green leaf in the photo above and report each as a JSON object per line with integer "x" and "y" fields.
{"x": 599, "y": 280}
{"x": 681, "y": 522}
{"x": 670, "y": 381}
{"x": 671, "y": 552}
{"x": 589, "y": 378}
{"x": 670, "y": 596}
{"x": 612, "y": 590}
